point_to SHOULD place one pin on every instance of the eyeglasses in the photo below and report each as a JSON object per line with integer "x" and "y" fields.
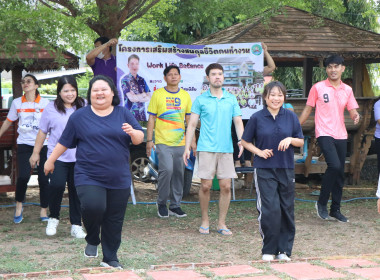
{"x": 26, "y": 82}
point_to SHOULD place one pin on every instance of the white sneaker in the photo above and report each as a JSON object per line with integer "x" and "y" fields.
{"x": 51, "y": 228}
{"x": 267, "y": 257}
{"x": 283, "y": 257}
{"x": 77, "y": 231}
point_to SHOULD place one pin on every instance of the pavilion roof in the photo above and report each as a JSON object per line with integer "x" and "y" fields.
{"x": 40, "y": 58}
{"x": 294, "y": 34}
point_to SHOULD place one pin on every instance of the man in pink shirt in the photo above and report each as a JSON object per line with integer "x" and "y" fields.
{"x": 330, "y": 97}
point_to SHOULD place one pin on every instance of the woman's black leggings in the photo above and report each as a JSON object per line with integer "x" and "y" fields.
{"x": 24, "y": 172}
{"x": 103, "y": 213}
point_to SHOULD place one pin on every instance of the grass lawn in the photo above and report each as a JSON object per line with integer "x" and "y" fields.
{"x": 148, "y": 240}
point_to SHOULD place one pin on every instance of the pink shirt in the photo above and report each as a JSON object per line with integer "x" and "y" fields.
{"x": 330, "y": 103}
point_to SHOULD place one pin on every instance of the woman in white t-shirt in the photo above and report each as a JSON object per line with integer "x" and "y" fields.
{"x": 28, "y": 109}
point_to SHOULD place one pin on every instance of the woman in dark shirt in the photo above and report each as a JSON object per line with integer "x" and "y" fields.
{"x": 271, "y": 134}
{"x": 102, "y": 133}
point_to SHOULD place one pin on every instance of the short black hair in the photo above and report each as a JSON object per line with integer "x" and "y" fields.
{"x": 213, "y": 66}
{"x": 170, "y": 67}
{"x": 115, "y": 99}
{"x": 270, "y": 86}
{"x": 334, "y": 59}
{"x": 103, "y": 40}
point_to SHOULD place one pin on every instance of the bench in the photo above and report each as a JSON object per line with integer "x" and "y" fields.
{"x": 8, "y": 161}
{"x": 359, "y": 136}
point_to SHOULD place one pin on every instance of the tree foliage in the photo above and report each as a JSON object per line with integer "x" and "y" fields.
{"x": 73, "y": 24}
{"x": 66, "y": 24}
{"x": 361, "y": 14}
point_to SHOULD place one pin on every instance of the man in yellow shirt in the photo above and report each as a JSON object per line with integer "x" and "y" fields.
{"x": 169, "y": 107}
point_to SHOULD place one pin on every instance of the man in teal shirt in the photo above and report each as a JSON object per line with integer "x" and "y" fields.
{"x": 216, "y": 108}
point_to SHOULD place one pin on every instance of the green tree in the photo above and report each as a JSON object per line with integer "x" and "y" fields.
{"x": 66, "y": 24}
{"x": 362, "y": 14}
{"x": 193, "y": 20}
{"x": 73, "y": 24}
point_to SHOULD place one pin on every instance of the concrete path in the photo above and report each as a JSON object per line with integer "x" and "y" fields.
{"x": 362, "y": 267}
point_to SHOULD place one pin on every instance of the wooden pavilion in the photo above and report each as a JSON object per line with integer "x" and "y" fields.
{"x": 30, "y": 57}
{"x": 296, "y": 38}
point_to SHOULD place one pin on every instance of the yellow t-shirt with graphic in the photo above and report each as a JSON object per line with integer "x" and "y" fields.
{"x": 170, "y": 109}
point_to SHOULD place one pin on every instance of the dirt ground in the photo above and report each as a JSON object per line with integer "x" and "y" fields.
{"x": 149, "y": 240}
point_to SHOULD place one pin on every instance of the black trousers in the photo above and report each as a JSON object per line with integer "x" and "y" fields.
{"x": 64, "y": 172}
{"x": 24, "y": 172}
{"x": 377, "y": 147}
{"x": 333, "y": 180}
{"x": 275, "y": 204}
{"x": 103, "y": 213}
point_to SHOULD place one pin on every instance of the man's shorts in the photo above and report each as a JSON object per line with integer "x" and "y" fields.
{"x": 221, "y": 164}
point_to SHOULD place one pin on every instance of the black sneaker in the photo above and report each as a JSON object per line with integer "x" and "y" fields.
{"x": 114, "y": 264}
{"x": 162, "y": 211}
{"x": 339, "y": 216}
{"x": 91, "y": 251}
{"x": 177, "y": 212}
{"x": 321, "y": 211}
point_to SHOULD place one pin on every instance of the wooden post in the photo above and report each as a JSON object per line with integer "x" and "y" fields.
{"x": 16, "y": 80}
{"x": 358, "y": 77}
{"x": 361, "y": 143}
{"x": 310, "y": 152}
{"x": 307, "y": 75}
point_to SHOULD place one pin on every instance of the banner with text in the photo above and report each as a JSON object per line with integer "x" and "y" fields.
{"x": 140, "y": 67}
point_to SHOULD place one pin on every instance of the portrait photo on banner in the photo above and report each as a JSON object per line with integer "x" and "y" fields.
{"x": 140, "y": 67}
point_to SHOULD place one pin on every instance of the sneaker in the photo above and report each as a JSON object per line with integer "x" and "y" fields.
{"x": 162, "y": 211}
{"x": 177, "y": 212}
{"x": 267, "y": 257}
{"x": 114, "y": 264}
{"x": 283, "y": 257}
{"x": 77, "y": 231}
{"x": 91, "y": 251}
{"x": 339, "y": 216}
{"x": 321, "y": 211}
{"x": 51, "y": 228}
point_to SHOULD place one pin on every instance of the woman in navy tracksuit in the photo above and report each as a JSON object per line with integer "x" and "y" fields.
{"x": 271, "y": 134}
